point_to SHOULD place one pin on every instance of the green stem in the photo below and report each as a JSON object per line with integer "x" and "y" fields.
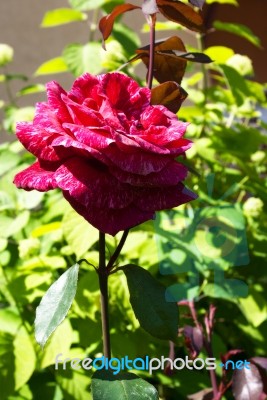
{"x": 103, "y": 284}
{"x": 152, "y": 23}
{"x": 116, "y": 253}
{"x": 200, "y": 41}
{"x": 8, "y": 89}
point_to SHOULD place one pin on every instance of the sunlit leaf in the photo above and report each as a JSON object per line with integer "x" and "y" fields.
{"x": 53, "y": 66}
{"x": 232, "y": 2}
{"x": 31, "y": 89}
{"x": 74, "y": 384}
{"x": 237, "y": 84}
{"x": 62, "y": 16}
{"x": 83, "y": 58}
{"x": 124, "y": 386}
{"x": 220, "y": 54}
{"x": 254, "y": 307}
{"x": 85, "y": 5}
{"x": 127, "y": 37}
{"x": 60, "y": 343}
{"x": 239, "y": 30}
{"x": 25, "y": 357}
{"x": 55, "y": 304}
{"x": 80, "y": 235}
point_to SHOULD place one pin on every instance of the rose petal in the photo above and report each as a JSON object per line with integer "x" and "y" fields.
{"x": 65, "y": 146}
{"x": 111, "y": 221}
{"x": 125, "y": 94}
{"x": 93, "y": 186}
{"x": 97, "y": 138}
{"x": 84, "y": 87}
{"x": 54, "y": 93}
{"x": 153, "y": 116}
{"x": 36, "y": 140}
{"x": 173, "y": 173}
{"x": 34, "y": 177}
{"x": 137, "y": 163}
{"x": 82, "y": 115}
{"x": 46, "y": 119}
{"x": 164, "y": 198}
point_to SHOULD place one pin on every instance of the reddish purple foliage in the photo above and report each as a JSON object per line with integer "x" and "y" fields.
{"x": 109, "y": 151}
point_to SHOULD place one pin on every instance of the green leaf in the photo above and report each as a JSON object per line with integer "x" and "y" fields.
{"x": 85, "y": 5}
{"x": 62, "y": 16}
{"x": 55, "y": 304}
{"x": 239, "y": 30}
{"x": 236, "y": 83}
{"x": 25, "y": 357}
{"x": 126, "y": 37}
{"x": 8, "y": 160}
{"x": 74, "y": 384}
{"x": 31, "y": 89}
{"x": 147, "y": 296}
{"x": 79, "y": 234}
{"x": 17, "y": 361}
{"x": 83, "y": 58}
{"x": 60, "y": 343}
{"x": 54, "y": 66}
{"x": 254, "y": 307}
{"x": 233, "y": 2}
{"x": 220, "y": 54}
{"x": 230, "y": 290}
{"x": 7, "y": 365}
{"x": 123, "y": 386}
{"x": 10, "y": 226}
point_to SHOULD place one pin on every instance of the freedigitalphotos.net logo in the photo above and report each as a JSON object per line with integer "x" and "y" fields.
{"x": 117, "y": 365}
{"x": 196, "y": 241}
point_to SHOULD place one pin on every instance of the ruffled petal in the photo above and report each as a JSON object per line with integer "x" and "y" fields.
{"x": 164, "y": 198}
{"x": 111, "y": 221}
{"x": 34, "y": 177}
{"x": 137, "y": 163}
{"x": 54, "y": 96}
{"x": 170, "y": 175}
{"x": 66, "y": 147}
{"x": 85, "y": 87}
{"x": 82, "y": 115}
{"x": 93, "y": 186}
{"x": 36, "y": 140}
{"x": 124, "y": 94}
{"x": 97, "y": 138}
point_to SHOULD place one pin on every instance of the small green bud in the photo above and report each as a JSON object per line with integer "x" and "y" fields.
{"x": 6, "y": 54}
{"x": 241, "y": 64}
{"x": 258, "y": 156}
{"x": 253, "y": 207}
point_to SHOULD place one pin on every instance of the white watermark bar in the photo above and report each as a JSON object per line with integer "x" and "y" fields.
{"x": 144, "y": 364}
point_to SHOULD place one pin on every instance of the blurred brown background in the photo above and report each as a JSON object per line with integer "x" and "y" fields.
{"x": 20, "y": 20}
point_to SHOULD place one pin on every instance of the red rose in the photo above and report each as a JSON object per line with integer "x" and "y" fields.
{"x": 109, "y": 151}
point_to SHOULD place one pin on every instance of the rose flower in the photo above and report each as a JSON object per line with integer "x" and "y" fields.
{"x": 108, "y": 149}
